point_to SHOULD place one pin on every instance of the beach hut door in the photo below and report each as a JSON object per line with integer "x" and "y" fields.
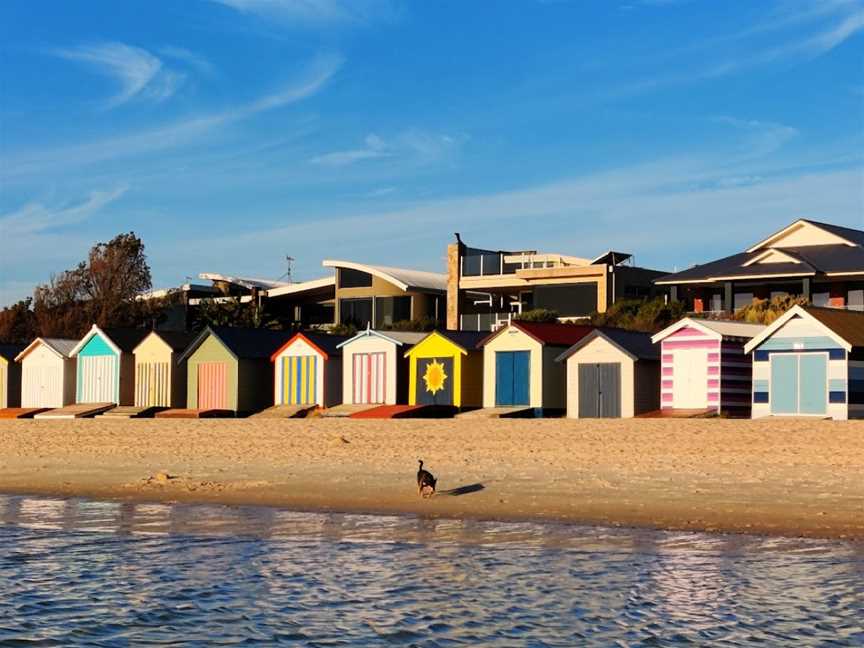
{"x": 512, "y": 378}
{"x": 799, "y": 383}
{"x": 43, "y": 387}
{"x": 212, "y": 385}
{"x": 369, "y": 375}
{"x": 4, "y": 382}
{"x": 434, "y": 381}
{"x": 99, "y": 378}
{"x": 600, "y": 390}
{"x": 300, "y": 380}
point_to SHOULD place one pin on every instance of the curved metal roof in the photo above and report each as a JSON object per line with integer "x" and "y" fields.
{"x": 403, "y": 278}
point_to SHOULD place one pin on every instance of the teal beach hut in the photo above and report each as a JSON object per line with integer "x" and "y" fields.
{"x": 106, "y": 366}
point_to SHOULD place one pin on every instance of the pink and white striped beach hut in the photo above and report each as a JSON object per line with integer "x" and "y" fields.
{"x": 704, "y": 367}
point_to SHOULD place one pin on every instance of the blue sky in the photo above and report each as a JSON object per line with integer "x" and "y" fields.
{"x": 231, "y": 133}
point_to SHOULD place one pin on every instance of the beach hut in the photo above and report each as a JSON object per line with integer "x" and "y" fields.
{"x": 446, "y": 368}
{"x": 704, "y": 367}
{"x": 10, "y": 376}
{"x": 160, "y": 379}
{"x": 105, "y": 365}
{"x": 810, "y": 362}
{"x": 374, "y": 367}
{"x": 519, "y": 368}
{"x": 612, "y": 373}
{"x": 229, "y": 368}
{"x": 308, "y": 370}
{"x": 47, "y": 373}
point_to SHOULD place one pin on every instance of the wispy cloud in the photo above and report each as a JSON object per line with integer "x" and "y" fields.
{"x": 761, "y": 138}
{"x": 420, "y": 146}
{"x": 309, "y": 82}
{"x": 196, "y": 61}
{"x": 315, "y": 12}
{"x": 36, "y": 217}
{"x": 139, "y": 73}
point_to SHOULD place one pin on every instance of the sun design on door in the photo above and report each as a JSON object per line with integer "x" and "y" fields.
{"x": 434, "y": 377}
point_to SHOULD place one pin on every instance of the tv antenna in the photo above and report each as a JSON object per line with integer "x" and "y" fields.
{"x": 287, "y": 275}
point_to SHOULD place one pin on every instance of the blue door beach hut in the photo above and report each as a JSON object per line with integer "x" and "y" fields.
{"x": 810, "y": 362}
{"x": 106, "y": 366}
{"x": 520, "y": 368}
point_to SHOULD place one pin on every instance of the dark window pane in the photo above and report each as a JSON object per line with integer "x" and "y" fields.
{"x": 389, "y": 310}
{"x": 355, "y": 311}
{"x": 568, "y": 301}
{"x": 349, "y": 278}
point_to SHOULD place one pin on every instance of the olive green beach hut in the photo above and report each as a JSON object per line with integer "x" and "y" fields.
{"x": 230, "y": 369}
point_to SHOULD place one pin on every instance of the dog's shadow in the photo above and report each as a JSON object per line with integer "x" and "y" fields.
{"x": 463, "y": 490}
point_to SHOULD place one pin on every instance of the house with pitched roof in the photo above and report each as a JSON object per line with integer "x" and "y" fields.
{"x": 821, "y": 262}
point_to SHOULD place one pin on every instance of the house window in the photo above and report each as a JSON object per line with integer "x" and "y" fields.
{"x": 349, "y": 278}
{"x": 822, "y": 299}
{"x": 743, "y": 299}
{"x": 856, "y": 300}
{"x": 389, "y": 310}
{"x": 568, "y": 301}
{"x": 716, "y": 303}
{"x": 355, "y": 311}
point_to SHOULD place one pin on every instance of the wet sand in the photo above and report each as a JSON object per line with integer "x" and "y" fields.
{"x": 779, "y": 477}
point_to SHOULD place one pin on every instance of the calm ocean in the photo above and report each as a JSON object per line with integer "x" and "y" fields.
{"x": 84, "y": 573}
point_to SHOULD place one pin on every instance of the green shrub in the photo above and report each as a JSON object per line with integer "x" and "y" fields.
{"x": 537, "y": 315}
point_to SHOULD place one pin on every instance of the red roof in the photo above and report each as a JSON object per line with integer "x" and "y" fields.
{"x": 548, "y": 332}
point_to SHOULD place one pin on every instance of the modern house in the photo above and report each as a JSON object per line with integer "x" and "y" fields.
{"x": 486, "y": 287}
{"x": 612, "y": 373}
{"x": 106, "y": 366}
{"x": 230, "y": 369}
{"x": 446, "y": 368}
{"x": 160, "y": 377}
{"x": 821, "y": 262}
{"x": 47, "y": 373}
{"x": 380, "y": 296}
{"x": 308, "y": 370}
{"x": 519, "y": 367}
{"x": 10, "y": 376}
{"x": 374, "y": 367}
{"x": 810, "y": 362}
{"x": 704, "y": 366}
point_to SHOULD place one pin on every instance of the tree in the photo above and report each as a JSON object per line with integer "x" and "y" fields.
{"x": 765, "y": 311}
{"x": 17, "y": 323}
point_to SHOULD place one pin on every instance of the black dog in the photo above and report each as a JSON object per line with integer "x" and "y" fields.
{"x": 425, "y": 482}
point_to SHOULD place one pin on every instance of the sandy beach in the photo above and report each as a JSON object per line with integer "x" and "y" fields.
{"x": 783, "y": 477}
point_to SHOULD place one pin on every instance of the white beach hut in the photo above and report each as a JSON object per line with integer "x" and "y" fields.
{"x": 47, "y": 373}
{"x": 374, "y": 367}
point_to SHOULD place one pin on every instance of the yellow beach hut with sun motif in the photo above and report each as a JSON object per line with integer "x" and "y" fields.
{"x": 446, "y": 368}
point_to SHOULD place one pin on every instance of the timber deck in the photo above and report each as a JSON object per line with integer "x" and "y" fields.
{"x": 680, "y": 413}
{"x": 345, "y": 411}
{"x": 286, "y": 411}
{"x": 406, "y": 411}
{"x": 194, "y": 413}
{"x": 129, "y": 412}
{"x": 498, "y": 412}
{"x": 22, "y": 412}
{"x": 79, "y": 410}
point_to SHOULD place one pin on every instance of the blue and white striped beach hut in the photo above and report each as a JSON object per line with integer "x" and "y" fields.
{"x": 810, "y": 362}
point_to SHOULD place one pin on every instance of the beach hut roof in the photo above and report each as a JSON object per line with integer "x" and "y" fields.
{"x": 465, "y": 340}
{"x": 242, "y": 343}
{"x": 403, "y": 278}
{"x": 62, "y": 348}
{"x": 635, "y": 344}
{"x": 723, "y": 328}
{"x": 844, "y": 326}
{"x": 396, "y": 337}
{"x": 176, "y": 340}
{"x": 9, "y": 351}
{"x": 553, "y": 333}
{"x": 121, "y": 340}
{"x": 326, "y": 345}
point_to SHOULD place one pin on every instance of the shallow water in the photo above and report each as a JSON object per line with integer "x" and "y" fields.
{"x": 84, "y": 573}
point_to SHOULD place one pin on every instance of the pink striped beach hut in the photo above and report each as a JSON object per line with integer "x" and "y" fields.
{"x": 704, "y": 367}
